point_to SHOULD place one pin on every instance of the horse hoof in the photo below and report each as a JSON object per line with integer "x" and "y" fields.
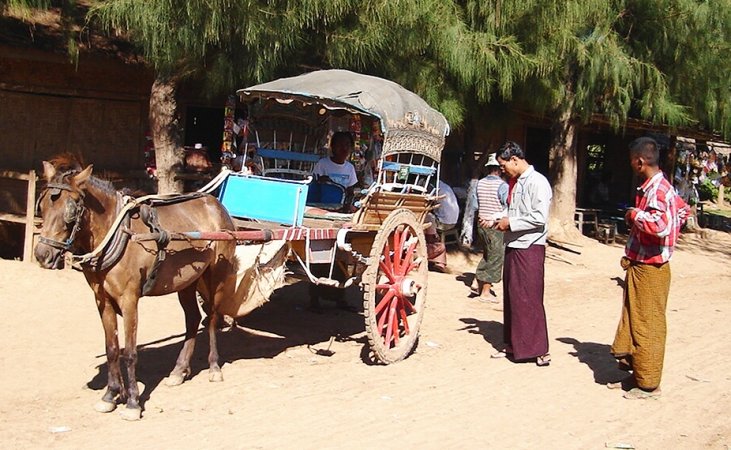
{"x": 131, "y": 414}
{"x": 215, "y": 376}
{"x": 174, "y": 380}
{"x": 104, "y": 407}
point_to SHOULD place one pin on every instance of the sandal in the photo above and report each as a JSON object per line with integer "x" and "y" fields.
{"x": 641, "y": 394}
{"x": 502, "y": 354}
{"x": 543, "y": 360}
{"x": 625, "y": 383}
{"x": 493, "y": 300}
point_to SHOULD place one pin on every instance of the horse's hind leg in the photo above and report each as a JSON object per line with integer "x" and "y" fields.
{"x": 192, "y": 320}
{"x": 214, "y": 370}
{"x": 219, "y": 282}
{"x": 114, "y": 376}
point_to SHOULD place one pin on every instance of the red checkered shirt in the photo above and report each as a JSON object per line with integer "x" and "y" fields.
{"x": 656, "y": 221}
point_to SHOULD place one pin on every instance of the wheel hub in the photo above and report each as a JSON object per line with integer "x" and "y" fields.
{"x": 406, "y": 287}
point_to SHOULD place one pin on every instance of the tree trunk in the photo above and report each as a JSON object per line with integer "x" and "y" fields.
{"x": 563, "y": 172}
{"x": 165, "y": 128}
{"x": 721, "y": 191}
{"x": 671, "y": 159}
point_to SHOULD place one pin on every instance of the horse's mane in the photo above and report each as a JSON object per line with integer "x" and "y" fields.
{"x": 68, "y": 164}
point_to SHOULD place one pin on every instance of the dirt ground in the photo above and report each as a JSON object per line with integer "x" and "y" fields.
{"x": 278, "y": 393}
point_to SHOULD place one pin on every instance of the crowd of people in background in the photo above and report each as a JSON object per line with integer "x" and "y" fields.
{"x": 697, "y": 166}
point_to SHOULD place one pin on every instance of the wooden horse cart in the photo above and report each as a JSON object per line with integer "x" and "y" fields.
{"x": 282, "y": 215}
{"x": 271, "y": 218}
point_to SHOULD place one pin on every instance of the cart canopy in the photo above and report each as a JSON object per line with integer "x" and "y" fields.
{"x": 408, "y": 123}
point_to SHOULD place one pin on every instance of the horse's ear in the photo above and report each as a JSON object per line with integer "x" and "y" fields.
{"x": 81, "y": 177}
{"x": 48, "y": 171}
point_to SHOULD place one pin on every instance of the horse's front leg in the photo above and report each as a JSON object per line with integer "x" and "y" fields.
{"x": 114, "y": 376}
{"x": 187, "y": 300}
{"x": 133, "y": 411}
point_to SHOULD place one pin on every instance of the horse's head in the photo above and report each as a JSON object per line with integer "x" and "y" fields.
{"x": 61, "y": 205}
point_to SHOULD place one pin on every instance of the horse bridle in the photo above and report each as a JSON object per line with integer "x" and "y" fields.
{"x": 73, "y": 211}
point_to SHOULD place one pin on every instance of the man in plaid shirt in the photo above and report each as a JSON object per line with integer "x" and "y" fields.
{"x": 655, "y": 224}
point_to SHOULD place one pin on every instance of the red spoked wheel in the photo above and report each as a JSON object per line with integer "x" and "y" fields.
{"x": 395, "y": 287}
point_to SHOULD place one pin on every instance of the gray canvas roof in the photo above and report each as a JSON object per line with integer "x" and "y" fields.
{"x": 395, "y": 106}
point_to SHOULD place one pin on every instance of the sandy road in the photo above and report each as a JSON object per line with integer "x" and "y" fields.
{"x": 277, "y": 393}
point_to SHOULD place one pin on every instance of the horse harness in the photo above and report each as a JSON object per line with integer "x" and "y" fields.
{"x": 114, "y": 248}
{"x": 73, "y": 211}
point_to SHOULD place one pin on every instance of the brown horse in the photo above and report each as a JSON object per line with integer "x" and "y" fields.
{"x": 78, "y": 210}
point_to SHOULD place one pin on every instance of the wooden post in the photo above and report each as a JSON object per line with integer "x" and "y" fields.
{"x": 30, "y": 217}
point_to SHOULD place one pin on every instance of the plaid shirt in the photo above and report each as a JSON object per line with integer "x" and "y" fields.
{"x": 656, "y": 221}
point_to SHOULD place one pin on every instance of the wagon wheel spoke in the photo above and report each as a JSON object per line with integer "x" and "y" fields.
{"x": 384, "y": 313}
{"x": 395, "y": 321}
{"x": 384, "y": 267}
{"x": 396, "y": 252}
{"x": 410, "y": 258}
{"x": 385, "y": 300}
{"x": 404, "y": 319}
{"x": 408, "y": 306}
{"x": 403, "y": 255}
{"x": 388, "y": 266}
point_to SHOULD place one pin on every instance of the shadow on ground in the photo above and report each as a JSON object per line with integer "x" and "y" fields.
{"x": 711, "y": 242}
{"x": 282, "y": 323}
{"x": 598, "y": 358}
{"x": 467, "y": 278}
{"x": 619, "y": 281}
{"x": 490, "y": 330}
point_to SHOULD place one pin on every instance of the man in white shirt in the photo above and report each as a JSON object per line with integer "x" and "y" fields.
{"x": 337, "y": 168}
{"x": 526, "y": 229}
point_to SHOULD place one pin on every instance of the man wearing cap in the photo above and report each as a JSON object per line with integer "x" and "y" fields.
{"x": 492, "y": 195}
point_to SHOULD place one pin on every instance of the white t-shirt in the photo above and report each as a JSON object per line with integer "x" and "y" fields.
{"x": 343, "y": 174}
{"x": 448, "y": 211}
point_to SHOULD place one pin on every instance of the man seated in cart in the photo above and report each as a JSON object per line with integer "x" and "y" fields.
{"x": 337, "y": 169}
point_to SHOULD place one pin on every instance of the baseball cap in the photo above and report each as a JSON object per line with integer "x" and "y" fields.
{"x": 492, "y": 161}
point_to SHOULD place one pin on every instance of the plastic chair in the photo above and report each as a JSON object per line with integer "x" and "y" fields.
{"x": 326, "y": 195}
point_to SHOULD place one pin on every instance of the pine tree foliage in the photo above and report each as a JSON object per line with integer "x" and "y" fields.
{"x": 423, "y": 44}
{"x": 180, "y": 37}
{"x": 583, "y": 62}
{"x": 23, "y": 5}
{"x": 662, "y": 60}
{"x": 68, "y": 14}
{"x": 690, "y": 42}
